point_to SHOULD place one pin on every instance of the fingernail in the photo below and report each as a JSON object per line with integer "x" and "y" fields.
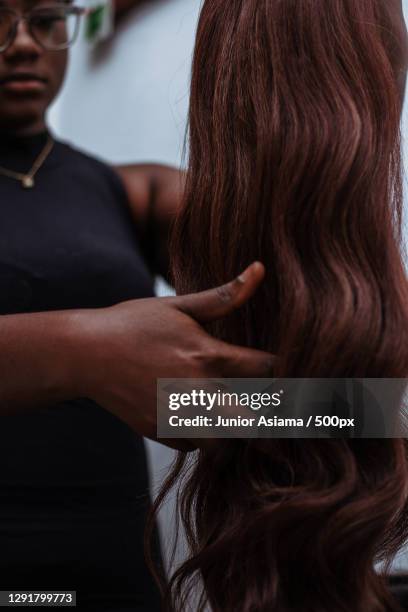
{"x": 243, "y": 277}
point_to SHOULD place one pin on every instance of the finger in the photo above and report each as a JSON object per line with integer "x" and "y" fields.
{"x": 242, "y": 362}
{"x": 218, "y": 302}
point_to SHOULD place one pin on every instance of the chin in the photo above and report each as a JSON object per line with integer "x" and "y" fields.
{"x": 22, "y": 115}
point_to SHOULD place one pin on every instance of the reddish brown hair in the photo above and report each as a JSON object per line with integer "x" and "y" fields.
{"x": 295, "y": 160}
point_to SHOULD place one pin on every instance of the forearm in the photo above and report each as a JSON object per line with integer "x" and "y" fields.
{"x": 115, "y": 355}
{"x": 39, "y": 359}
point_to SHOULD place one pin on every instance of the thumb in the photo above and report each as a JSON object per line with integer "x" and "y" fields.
{"x": 218, "y": 302}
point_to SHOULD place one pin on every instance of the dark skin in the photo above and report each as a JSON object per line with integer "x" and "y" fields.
{"x": 49, "y": 357}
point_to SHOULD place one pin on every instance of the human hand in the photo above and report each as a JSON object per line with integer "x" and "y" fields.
{"x": 129, "y": 346}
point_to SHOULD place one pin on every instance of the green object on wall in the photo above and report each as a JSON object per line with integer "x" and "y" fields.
{"x": 95, "y": 21}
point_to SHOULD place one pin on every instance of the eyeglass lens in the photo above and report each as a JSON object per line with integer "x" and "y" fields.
{"x": 52, "y": 27}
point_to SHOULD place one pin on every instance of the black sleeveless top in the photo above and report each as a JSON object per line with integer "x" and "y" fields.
{"x": 73, "y": 479}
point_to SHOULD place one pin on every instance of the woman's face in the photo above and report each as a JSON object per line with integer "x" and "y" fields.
{"x": 30, "y": 76}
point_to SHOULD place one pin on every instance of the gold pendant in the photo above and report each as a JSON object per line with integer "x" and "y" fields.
{"x": 27, "y": 182}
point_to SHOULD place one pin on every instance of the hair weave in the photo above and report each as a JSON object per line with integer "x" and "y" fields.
{"x": 295, "y": 160}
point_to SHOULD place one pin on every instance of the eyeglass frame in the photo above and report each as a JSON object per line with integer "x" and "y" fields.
{"x": 78, "y": 11}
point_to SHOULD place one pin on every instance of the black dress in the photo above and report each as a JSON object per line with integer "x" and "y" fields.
{"x": 73, "y": 479}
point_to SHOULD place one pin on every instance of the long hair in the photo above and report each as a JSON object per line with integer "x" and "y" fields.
{"x": 295, "y": 160}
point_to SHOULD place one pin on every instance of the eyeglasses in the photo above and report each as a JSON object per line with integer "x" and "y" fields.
{"x": 53, "y": 27}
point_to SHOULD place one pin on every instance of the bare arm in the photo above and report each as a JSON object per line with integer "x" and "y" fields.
{"x": 37, "y": 360}
{"x": 46, "y": 358}
{"x": 155, "y": 193}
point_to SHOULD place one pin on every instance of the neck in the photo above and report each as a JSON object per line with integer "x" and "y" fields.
{"x": 21, "y": 130}
{"x": 19, "y": 149}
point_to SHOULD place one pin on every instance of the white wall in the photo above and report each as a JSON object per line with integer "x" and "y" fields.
{"x": 128, "y": 102}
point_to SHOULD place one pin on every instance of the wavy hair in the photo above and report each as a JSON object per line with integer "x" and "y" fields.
{"x": 295, "y": 160}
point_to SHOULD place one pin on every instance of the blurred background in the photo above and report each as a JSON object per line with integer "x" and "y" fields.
{"x": 126, "y": 100}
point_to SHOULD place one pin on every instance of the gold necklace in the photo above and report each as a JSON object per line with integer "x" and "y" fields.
{"x": 27, "y": 180}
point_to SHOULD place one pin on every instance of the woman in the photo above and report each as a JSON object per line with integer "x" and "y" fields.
{"x": 295, "y": 161}
{"x": 75, "y": 337}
